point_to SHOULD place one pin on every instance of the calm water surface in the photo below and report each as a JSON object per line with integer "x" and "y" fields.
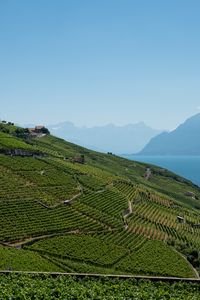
{"x": 186, "y": 166}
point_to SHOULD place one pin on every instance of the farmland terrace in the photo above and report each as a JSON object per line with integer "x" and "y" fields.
{"x": 68, "y": 209}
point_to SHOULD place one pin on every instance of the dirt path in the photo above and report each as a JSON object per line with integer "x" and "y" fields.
{"x": 122, "y": 277}
{"x": 128, "y": 213}
{"x": 20, "y": 244}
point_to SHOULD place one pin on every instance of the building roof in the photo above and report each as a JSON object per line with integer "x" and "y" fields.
{"x": 39, "y": 127}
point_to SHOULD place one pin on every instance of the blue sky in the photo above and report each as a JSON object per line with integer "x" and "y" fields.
{"x": 94, "y": 62}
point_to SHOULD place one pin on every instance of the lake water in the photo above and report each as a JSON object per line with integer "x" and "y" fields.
{"x": 185, "y": 166}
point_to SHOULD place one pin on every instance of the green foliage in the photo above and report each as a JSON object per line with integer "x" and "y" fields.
{"x": 92, "y": 182}
{"x": 10, "y": 142}
{"x": 18, "y": 259}
{"x": 83, "y": 248}
{"x": 37, "y": 179}
{"x": 156, "y": 258}
{"x": 153, "y": 258}
{"x": 7, "y": 127}
{"x": 45, "y": 130}
{"x": 108, "y": 202}
{"x": 48, "y": 288}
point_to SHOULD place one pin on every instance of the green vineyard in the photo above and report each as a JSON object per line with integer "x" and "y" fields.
{"x": 48, "y": 288}
{"x": 68, "y": 209}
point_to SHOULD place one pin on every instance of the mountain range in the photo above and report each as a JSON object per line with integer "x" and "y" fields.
{"x": 184, "y": 140}
{"x": 130, "y": 138}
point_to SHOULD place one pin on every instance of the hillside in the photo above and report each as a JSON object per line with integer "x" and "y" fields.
{"x": 69, "y": 209}
{"x": 184, "y": 140}
{"x": 129, "y": 138}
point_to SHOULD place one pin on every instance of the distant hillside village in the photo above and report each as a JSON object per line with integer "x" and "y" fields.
{"x": 10, "y": 128}
{"x": 38, "y": 131}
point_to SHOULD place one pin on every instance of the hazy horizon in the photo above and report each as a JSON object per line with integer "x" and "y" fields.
{"x": 88, "y": 126}
{"x": 81, "y": 126}
{"x": 99, "y": 62}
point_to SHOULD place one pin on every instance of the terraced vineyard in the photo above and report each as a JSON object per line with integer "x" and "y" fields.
{"x": 100, "y": 215}
{"x": 49, "y": 288}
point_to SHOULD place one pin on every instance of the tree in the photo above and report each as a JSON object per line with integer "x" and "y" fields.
{"x": 45, "y": 130}
{"x": 83, "y": 158}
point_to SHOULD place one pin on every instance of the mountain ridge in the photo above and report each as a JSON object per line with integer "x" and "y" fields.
{"x": 184, "y": 140}
{"x": 107, "y": 138}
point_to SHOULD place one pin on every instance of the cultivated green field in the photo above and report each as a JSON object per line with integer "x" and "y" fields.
{"x": 69, "y": 288}
{"x": 98, "y": 215}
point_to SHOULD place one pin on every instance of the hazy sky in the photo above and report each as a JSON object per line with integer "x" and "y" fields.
{"x": 100, "y": 61}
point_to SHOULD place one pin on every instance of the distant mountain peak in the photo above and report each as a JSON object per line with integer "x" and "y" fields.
{"x": 184, "y": 140}
{"x": 107, "y": 138}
